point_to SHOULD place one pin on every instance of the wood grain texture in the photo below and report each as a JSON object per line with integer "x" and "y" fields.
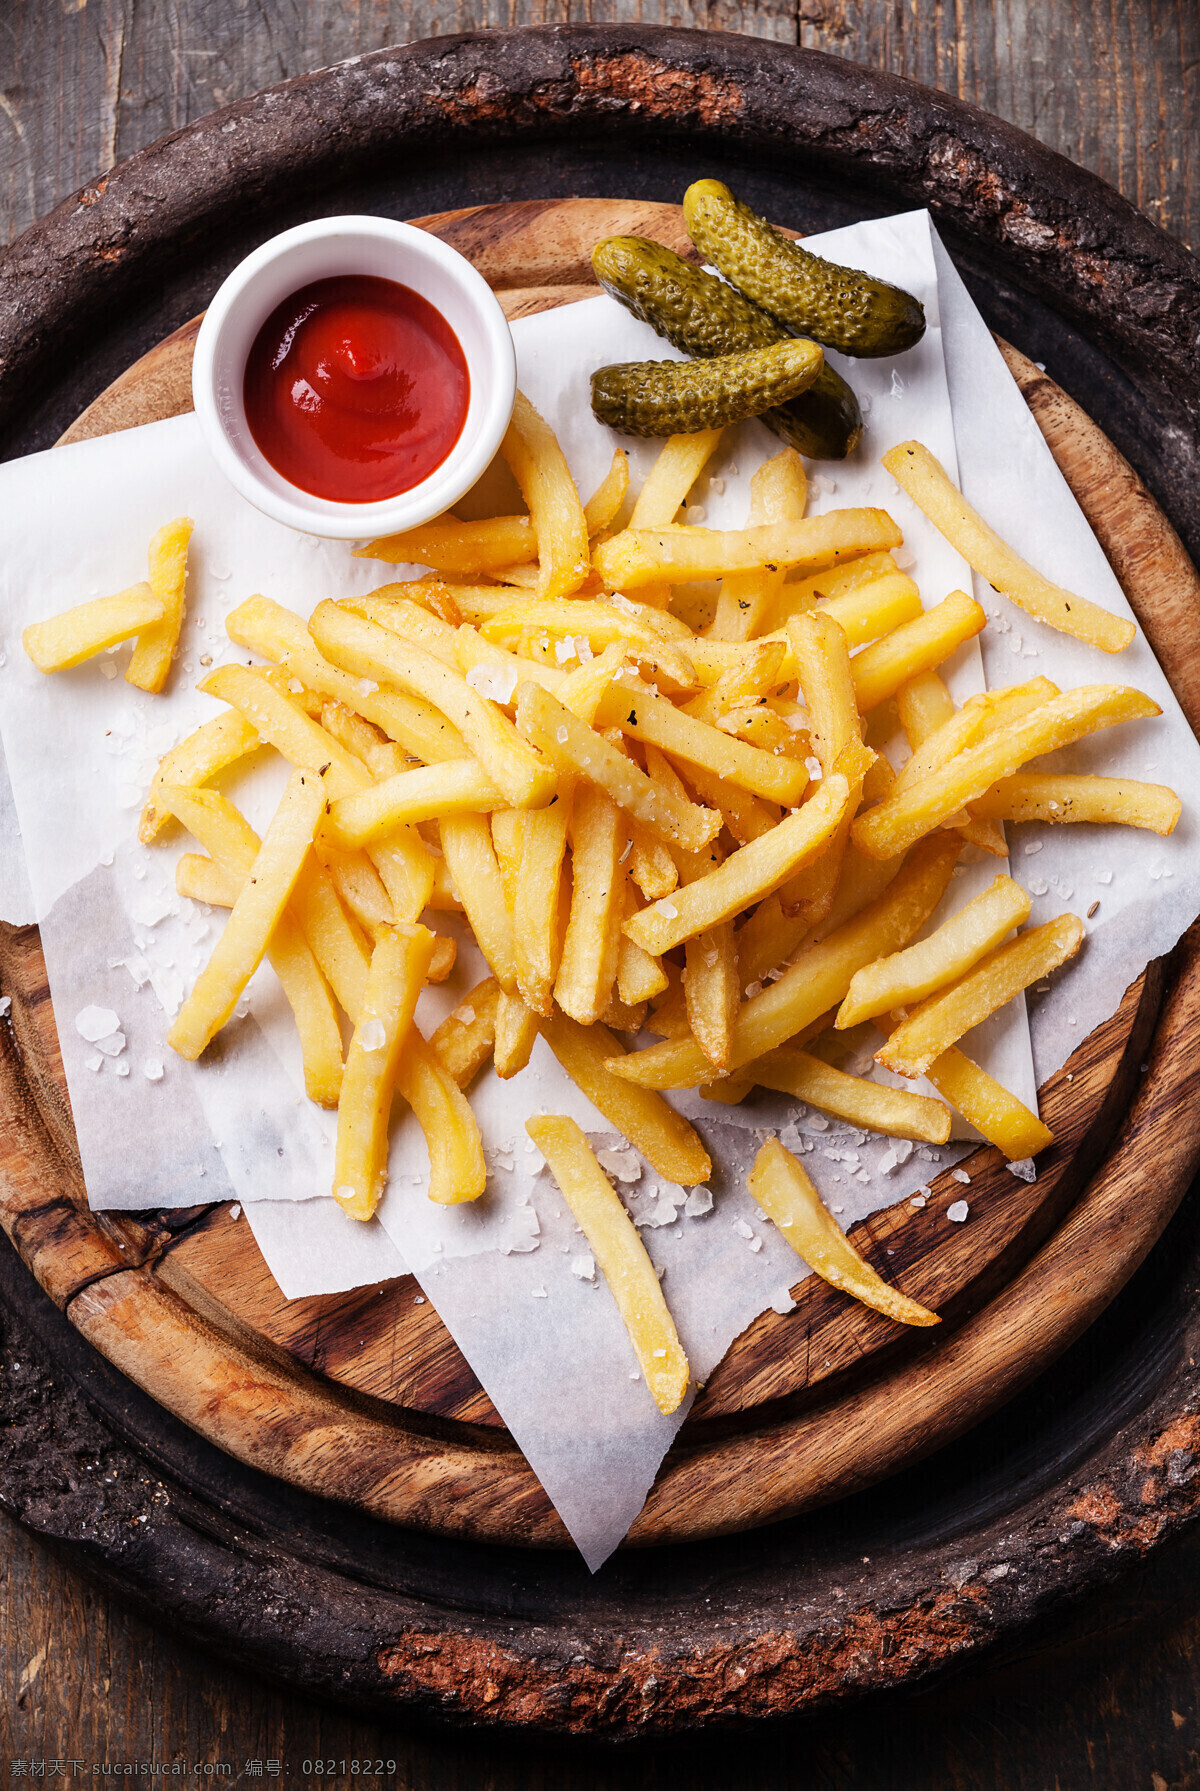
{"x": 1114, "y": 86}
{"x": 201, "y": 1328}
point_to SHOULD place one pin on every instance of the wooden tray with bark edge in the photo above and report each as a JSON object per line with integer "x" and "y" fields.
{"x": 364, "y": 1396}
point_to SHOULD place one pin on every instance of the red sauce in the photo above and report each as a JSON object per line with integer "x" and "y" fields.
{"x": 356, "y": 389}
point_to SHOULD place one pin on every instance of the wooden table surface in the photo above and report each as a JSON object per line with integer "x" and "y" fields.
{"x": 1104, "y": 1698}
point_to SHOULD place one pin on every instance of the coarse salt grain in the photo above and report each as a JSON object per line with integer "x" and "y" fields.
{"x": 698, "y": 1202}
{"x": 95, "y": 1061}
{"x": 1104, "y": 877}
{"x": 813, "y": 766}
{"x": 561, "y": 735}
{"x": 667, "y": 909}
{"x": 584, "y": 1267}
{"x": 496, "y": 682}
{"x": 960, "y": 1175}
{"x": 958, "y": 1211}
{"x": 152, "y": 1070}
{"x": 1024, "y": 1168}
{"x": 1032, "y": 846}
{"x": 372, "y": 1035}
{"x": 465, "y": 1015}
{"x": 96, "y": 1023}
{"x": 539, "y": 1293}
{"x": 743, "y": 1230}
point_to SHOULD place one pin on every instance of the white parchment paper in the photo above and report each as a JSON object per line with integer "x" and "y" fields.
{"x": 509, "y": 1275}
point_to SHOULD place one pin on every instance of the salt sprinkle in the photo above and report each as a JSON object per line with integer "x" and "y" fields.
{"x": 152, "y": 1070}
{"x": 625, "y": 1165}
{"x": 561, "y": 735}
{"x": 122, "y": 1069}
{"x": 465, "y": 1015}
{"x": 699, "y": 1201}
{"x": 918, "y": 1200}
{"x": 960, "y": 1175}
{"x": 667, "y": 909}
{"x": 345, "y": 1192}
{"x": 5, "y": 1006}
{"x": 539, "y": 1293}
{"x": 367, "y": 687}
{"x": 813, "y": 766}
{"x": 95, "y": 1061}
{"x": 743, "y": 1230}
{"x": 1037, "y": 886}
{"x": 1104, "y": 877}
{"x": 1033, "y": 846}
{"x": 497, "y": 683}
{"x": 584, "y": 1266}
{"x": 372, "y": 1035}
{"x": 112, "y": 1046}
{"x": 1024, "y": 1168}
{"x": 95, "y": 1023}
{"x": 756, "y": 1244}
{"x": 958, "y": 1211}
{"x": 783, "y": 1303}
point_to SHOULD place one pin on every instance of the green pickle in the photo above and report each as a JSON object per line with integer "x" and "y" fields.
{"x": 701, "y": 315}
{"x": 837, "y": 306}
{"x": 680, "y": 397}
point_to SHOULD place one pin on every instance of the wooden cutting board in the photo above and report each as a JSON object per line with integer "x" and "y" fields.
{"x": 364, "y": 1396}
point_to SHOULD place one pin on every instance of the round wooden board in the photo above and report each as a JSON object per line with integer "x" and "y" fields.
{"x": 780, "y": 1426}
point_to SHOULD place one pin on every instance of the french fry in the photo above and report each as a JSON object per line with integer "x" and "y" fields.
{"x": 838, "y": 581}
{"x": 924, "y": 706}
{"x": 66, "y": 640}
{"x": 666, "y": 1140}
{"x": 941, "y": 1021}
{"x": 574, "y": 748}
{"x": 537, "y": 930}
{"x": 893, "y": 1111}
{"x": 445, "y": 955}
{"x": 783, "y": 1189}
{"x": 746, "y": 816}
{"x": 992, "y": 1109}
{"x": 411, "y": 621}
{"x": 381, "y": 756}
{"x": 151, "y": 658}
{"x": 397, "y": 976}
{"x": 873, "y": 610}
{"x": 457, "y": 1172}
{"x": 817, "y": 980}
{"x": 540, "y": 469}
{"x": 219, "y": 880}
{"x": 581, "y": 690}
{"x": 213, "y": 746}
{"x": 909, "y": 813}
{"x": 944, "y": 957}
{"x": 760, "y": 670}
{"x": 370, "y": 651}
{"x": 602, "y": 625}
{"x": 712, "y": 992}
{"x": 621, "y": 1256}
{"x": 254, "y": 917}
{"x": 433, "y": 593}
{"x": 771, "y": 938}
{"x": 359, "y": 886}
{"x": 463, "y": 1042}
{"x": 449, "y": 545}
{"x": 639, "y": 557}
{"x": 778, "y": 493}
{"x": 640, "y": 976}
{"x": 588, "y": 967}
{"x": 424, "y": 793}
{"x": 609, "y": 495}
{"x": 632, "y": 707}
{"x": 917, "y": 646}
{"x": 471, "y": 861}
{"x": 745, "y": 877}
{"x": 827, "y": 682}
{"x": 279, "y": 633}
{"x": 680, "y": 462}
{"x": 336, "y": 942}
{"x": 1059, "y": 797}
{"x": 516, "y": 1034}
{"x": 503, "y": 670}
{"x": 925, "y": 481}
{"x": 984, "y": 713}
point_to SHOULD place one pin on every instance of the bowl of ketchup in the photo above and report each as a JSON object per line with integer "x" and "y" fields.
{"x": 354, "y": 377}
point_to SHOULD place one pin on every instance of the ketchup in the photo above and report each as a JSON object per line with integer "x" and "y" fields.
{"x": 356, "y": 389}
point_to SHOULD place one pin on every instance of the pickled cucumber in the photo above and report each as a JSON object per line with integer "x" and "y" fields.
{"x": 680, "y": 397}
{"x": 835, "y": 305}
{"x": 703, "y": 316}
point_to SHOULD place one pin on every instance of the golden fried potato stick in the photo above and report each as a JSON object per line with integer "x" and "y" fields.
{"x": 580, "y": 691}
{"x": 609, "y": 495}
{"x": 640, "y": 975}
{"x": 771, "y": 938}
{"x": 209, "y": 749}
{"x": 746, "y": 876}
{"x": 783, "y": 1189}
{"x": 667, "y": 1141}
{"x": 944, "y": 957}
{"x": 747, "y": 817}
{"x": 992, "y": 1109}
{"x": 839, "y": 581}
{"x": 893, "y": 1111}
{"x": 924, "y": 706}
{"x": 575, "y": 748}
{"x": 925, "y": 481}
{"x": 471, "y": 861}
{"x": 218, "y": 880}
{"x": 620, "y": 1253}
{"x": 588, "y": 967}
{"x": 503, "y": 670}
{"x": 516, "y": 1035}
{"x": 639, "y": 557}
{"x": 66, "y": 640}
{"x": 279, "y": 633}
{"x": 457, "y": 1172}
{"x": 680, "y": 462}
{"x": 370, "y": 651}
{"x": 757, "y": 672}
{"x": 943, "y": 1018}
{"x": 632, "y": 707}
{"x": 411, "y": 621}
{"x": 397, "y": 975}
{"x": 424, "y": 793}
{"x": 601, "y": 625}
{"x": 818, "y": 979}
{"x": 254, "y": 916}
{"x": 463, "y": 1042}
{"x": 359, "y": 886}
{"x": 1059, "y": 796}
{"x": 910, "y": 812}
{"x": 712, "y": 991}
{"x": 531, "y": 449}
{"x": 917, "y": 646}
{"x": 537, "y": 925}
{"x": 778, "y": 493}
{"x": 827, "y": 684}
{"x": 870, "y": 611}
{"x": 449, "y": 545}
{"x": 151, "y": 658}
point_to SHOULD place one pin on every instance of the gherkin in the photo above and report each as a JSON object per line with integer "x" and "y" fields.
{"x": 703, "y": 316}
{"x": 680, "y": 397}
{"x": 837, "y": 306}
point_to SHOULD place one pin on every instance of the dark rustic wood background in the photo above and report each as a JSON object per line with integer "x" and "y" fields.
{"x": 1103, "y": 1699}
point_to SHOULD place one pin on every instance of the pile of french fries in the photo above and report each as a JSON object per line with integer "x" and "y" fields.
{"x": 638, "y": 757}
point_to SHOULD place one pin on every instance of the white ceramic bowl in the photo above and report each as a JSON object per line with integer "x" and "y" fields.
{"x": 319, "y": 251}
